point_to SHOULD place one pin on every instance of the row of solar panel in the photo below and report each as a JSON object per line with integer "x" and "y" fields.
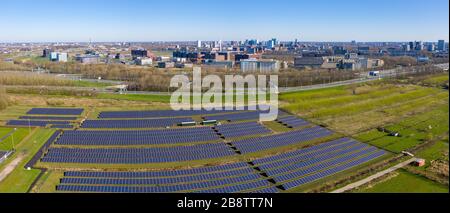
{"x": 156, "y": 180}
{"x": 300, "y": 169}
{"x": 278, "y": 140}
{"x": 167, "y": 113}
{"x": 55, "y": 111}
{"x": 308, "y": 155}
{"x": 136, "y": 123}
{"x": 247, "y": 115}
{"x": 183, "y": 184}
{"x": 331, "y": 171}
{"x": 290, "y": 169}
{"x": 143, "y": 137}
{"x": 43, "y": 149}
{"x": 52, "y": 118}
{"x": 149, "y": 174}
{"x": 138, "y": 156}
{"x": 241, "y": 129}
{"x": 35, "y": 123}
{"x": 201, "y": 188}
{"x": 292, "y": 121}
{"x": 285, "y": 155}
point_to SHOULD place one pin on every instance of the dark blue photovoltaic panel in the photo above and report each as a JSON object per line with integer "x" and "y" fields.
{"x": 165, "y": 113}
{"x": 34, "y": 123}
{"x": 241, "y": 129}
{"x": 137, "y": 155}
{"x": 52, "y": 118}
{"x": 224, "y": 187}
{"x": 136, "y": 123}
{"x": 303, "y": 151}
{"x": 333, "y": 170}
{"x": 322, "y": 161}
{"x": 138, "y": 137}
{"x": 150, "y": 174}
{"x": 238, "y": 187}
{"x": 55, "y": 111}
{"x": 282, "y": 139}
{"x": 292, "y": 121}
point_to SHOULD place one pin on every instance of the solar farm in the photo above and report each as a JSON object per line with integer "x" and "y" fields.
{"x": 219, "y": 151}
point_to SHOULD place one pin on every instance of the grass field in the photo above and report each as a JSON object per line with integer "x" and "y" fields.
{"x": 413, "y": 130}
{"x": 21, "y": 179}
{"x": 405, "y": 182}
{"x": 17, "y": 137}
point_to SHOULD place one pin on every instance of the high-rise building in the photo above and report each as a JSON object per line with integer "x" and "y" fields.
{"x": 199, "y": 44}
{"x": 431, "y": 47}
{"x": 441, "y": 45}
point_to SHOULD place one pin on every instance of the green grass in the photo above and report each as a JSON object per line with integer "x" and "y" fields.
{"x": 18, "y": 137}
{"x": 413, "y": 130}
{"x": 90, "y": 84}
{"x": 357, "y": 108}
{"x": 406, "y": 182}
{"x": 20, "y": 179}
{"x": 136, "y": 97}
{"x": 437, "y": 151}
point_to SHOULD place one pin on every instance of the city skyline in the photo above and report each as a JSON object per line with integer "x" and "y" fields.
{"x": 142, "y": 21}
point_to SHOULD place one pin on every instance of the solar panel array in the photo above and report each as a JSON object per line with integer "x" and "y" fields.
{"x": 136, "y": 123}
{"x": 292, "y": 121}
{"x": 246, "y": 115}
{"x": 55, "y": 111}
{"x": 162, "y": 113}
{"x": 241, "y": 129}
{"x": 289, "y": 170}
{"x": 234, "y": 177}
{"x": 302, "y": 166}
{"x": 137, "y": 155}
{"x": 282, "y": 139}
{"x": 137, "y": 137}
{"x": 52, "y": 118}
{"x": 34, "y": 123}
{"x": 43, "y": 149}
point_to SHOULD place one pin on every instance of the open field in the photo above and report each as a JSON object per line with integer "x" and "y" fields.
{"x": 21, "y": 179}
{"x": 16, "y": 137}
{"x": 405, "y": 182}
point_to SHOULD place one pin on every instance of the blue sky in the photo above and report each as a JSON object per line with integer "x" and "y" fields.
{"x": 160, "y": 20}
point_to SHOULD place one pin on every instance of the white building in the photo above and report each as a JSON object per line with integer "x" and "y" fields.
{"x": 262, "y": 66}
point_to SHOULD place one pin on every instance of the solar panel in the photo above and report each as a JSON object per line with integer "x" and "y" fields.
{"x": 138, "y": 137}
{"x": 137, "y": 155}
{"x": 55, "y": 111}
{"x": 34, "y": 123}
{"x": 136, "y": 123}
{"x": 282, "y": 139}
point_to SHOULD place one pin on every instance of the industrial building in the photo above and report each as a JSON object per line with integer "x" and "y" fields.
{"x": 262, "y": 66}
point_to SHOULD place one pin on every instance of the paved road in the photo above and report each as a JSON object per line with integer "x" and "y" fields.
{"x": 373, "y": 177}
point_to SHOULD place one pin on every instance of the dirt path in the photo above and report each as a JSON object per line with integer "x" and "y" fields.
{"x": 10, "y": 167}
{"x": 373, "y": 177}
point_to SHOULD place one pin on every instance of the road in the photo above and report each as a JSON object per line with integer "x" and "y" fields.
{"x": 10, "y": 167}
{"x": 373, "y": 177}
{"x": 364, "y": 78}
